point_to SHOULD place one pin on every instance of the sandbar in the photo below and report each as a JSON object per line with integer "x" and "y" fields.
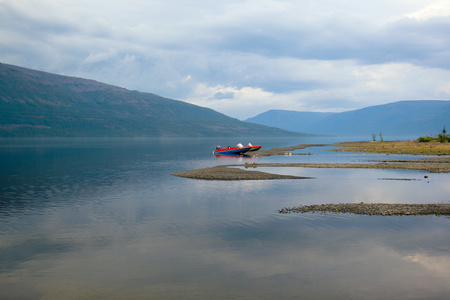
{"x": 230, "y": 173}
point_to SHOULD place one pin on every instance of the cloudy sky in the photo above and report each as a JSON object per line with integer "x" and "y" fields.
{"x": 242, "y": 57}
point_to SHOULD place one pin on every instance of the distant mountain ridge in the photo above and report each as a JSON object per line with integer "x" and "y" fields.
{"x": 421, "y": 117}
{"x": 35, "y": 103}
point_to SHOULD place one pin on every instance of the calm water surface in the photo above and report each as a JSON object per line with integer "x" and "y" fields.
{"x": 104, "y": 219}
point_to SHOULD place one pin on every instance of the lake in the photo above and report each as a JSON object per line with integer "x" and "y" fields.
{"x": 102, "y": 218}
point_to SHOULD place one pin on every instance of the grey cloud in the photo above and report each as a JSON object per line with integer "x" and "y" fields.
{"x": 407, "y": 40}
{"x": 273, "y": 46}
{"x": 22, "y": 21}
{"x": 221, "y": 95}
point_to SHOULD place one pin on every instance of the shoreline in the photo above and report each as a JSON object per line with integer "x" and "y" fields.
{"x": 439, "y": 164}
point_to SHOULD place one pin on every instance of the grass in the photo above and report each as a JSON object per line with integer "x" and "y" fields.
{"x": 396, "y": 147}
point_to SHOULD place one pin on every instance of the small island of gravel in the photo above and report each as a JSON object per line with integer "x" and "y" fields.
{"x": 229, "y": 173}
{"x": 380, "y": 209}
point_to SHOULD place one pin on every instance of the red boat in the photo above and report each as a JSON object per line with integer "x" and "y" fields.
{"x": 238, "y": 150}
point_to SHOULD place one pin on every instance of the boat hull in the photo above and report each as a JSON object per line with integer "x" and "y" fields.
{"x": 233, "y": 150}
{"x": 255, "y": 148}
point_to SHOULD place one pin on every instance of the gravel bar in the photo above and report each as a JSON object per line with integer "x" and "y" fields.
{"x": 381, "y": 209}
{"x": 434, "y": 165}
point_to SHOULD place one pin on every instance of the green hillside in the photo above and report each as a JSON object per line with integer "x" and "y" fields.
{"x": 34, "y": 103}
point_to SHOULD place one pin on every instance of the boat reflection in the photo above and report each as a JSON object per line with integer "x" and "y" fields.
{"x": 235, "y": 157}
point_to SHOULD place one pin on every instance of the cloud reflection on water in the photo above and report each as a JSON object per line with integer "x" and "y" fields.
{"x": 124, "y": 228}
{"x": 295, "y": 255}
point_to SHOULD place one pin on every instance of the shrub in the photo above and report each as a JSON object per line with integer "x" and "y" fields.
{"x": 442, "y": 138}
{"x": 425, "y": 139}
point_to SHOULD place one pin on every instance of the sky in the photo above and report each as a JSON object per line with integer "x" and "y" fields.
{"x": 241, "y": 58}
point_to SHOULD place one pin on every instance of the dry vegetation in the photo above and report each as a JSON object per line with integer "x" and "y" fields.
{"x": 397, "y": 147}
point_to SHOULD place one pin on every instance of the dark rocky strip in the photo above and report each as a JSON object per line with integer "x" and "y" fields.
{"x": 399, "y": 179}
{"x": 228, "y": 173}
{"x": 382, "y": 209}
{"x": 432, "y": 166}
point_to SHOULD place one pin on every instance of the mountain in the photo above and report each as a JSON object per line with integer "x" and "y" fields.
{"x": 34, "y": 103}
{"x": 294, "y": 120}
{"x": 403, "y": 118}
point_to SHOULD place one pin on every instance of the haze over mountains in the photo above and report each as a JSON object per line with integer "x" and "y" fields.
{"x": 34, "y": 103}
{"x": 404, "y": 118}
